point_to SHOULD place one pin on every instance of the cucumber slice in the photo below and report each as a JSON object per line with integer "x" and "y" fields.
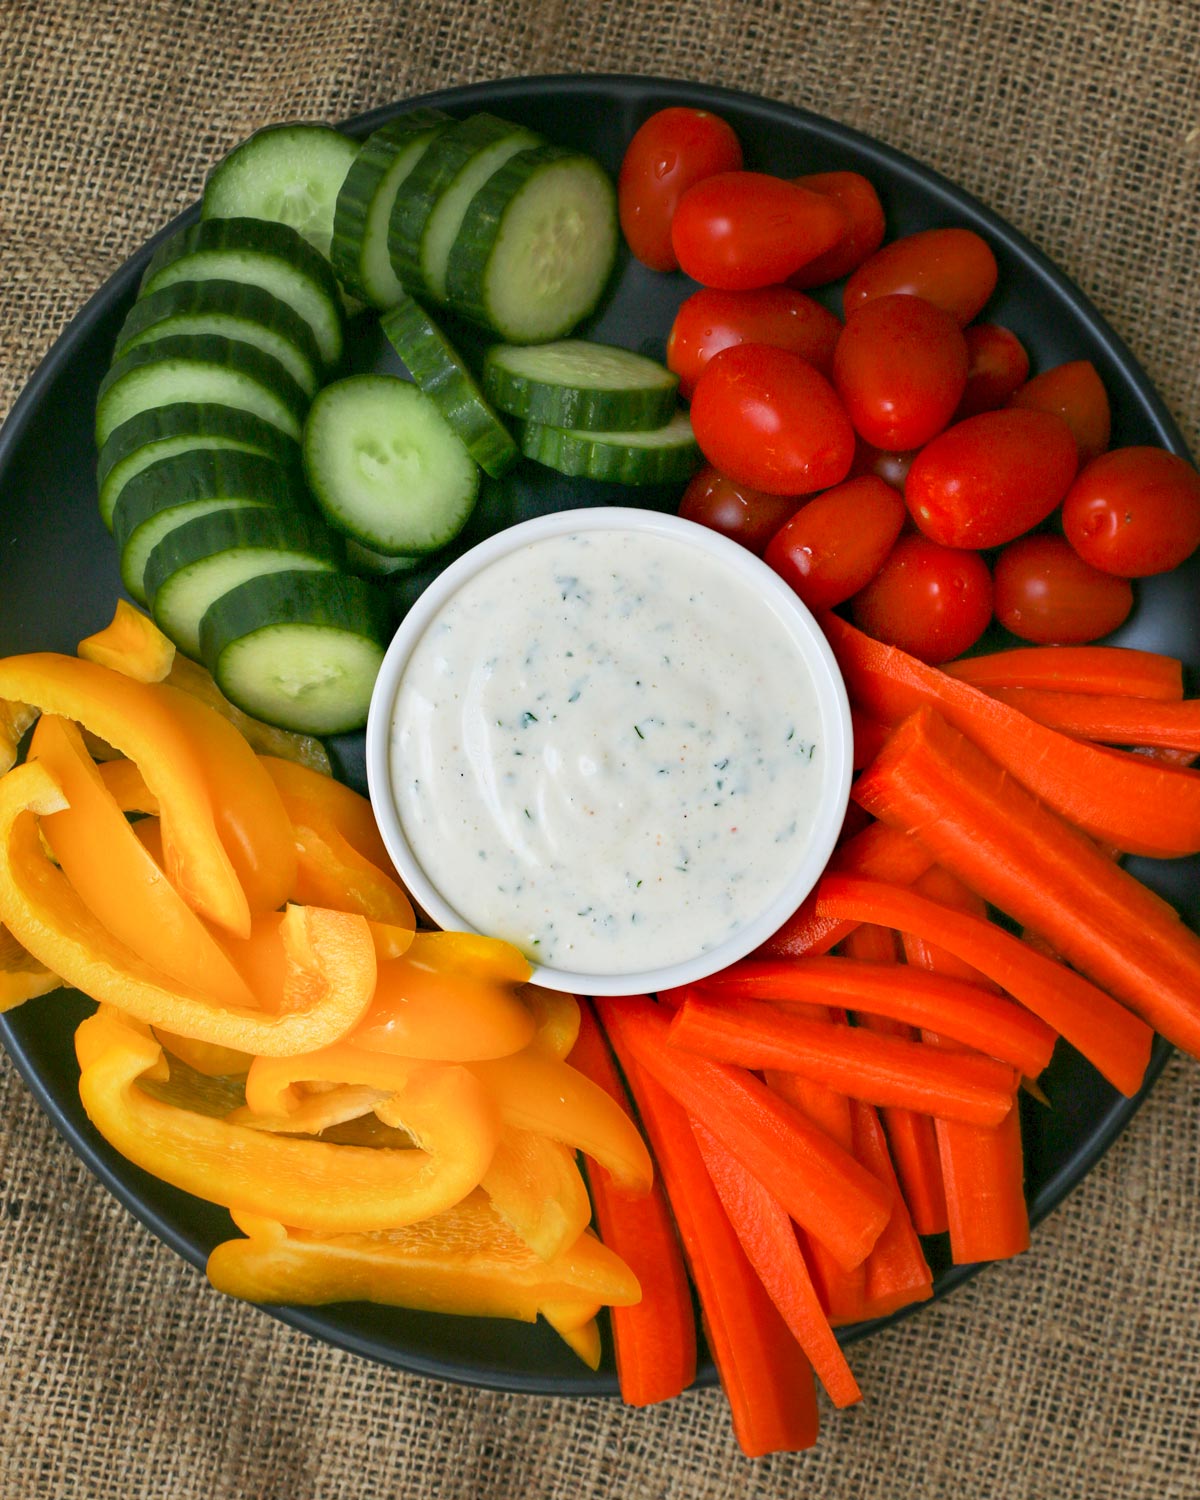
{"x": 174, "y": 490}
{"x": 386, "y": 467}
{"x": 185, "y": 427}
{"x": 232, "y": 309}
{"x": 573, "y": 383}
{"x": 199, "y": 367}
{"x": 435, "y": 365}
{"x": 291, "y": 174}
{"x": 300, "y": 650}
{"x": 537, "y": 246}
{"x": 206, "y": 557}
{"x": 664, "y": 456}
{"x": 359, "y": 248}
{"x": 428, "y": 213}
{"x": 260, "y": 253}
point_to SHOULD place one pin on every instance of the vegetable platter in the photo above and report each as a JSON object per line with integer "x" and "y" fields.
{"x": 49, "y": 506}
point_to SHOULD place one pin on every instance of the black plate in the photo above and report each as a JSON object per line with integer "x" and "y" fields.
{"x": 52, "y": 536}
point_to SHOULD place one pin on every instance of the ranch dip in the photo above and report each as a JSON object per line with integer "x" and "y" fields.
{"x": 605, "y": 749}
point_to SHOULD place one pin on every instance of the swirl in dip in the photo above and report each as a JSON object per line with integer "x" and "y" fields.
{"x": 606, "y": 748}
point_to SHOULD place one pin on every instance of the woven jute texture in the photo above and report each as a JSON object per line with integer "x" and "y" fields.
{"x": 1071, "y": 1375}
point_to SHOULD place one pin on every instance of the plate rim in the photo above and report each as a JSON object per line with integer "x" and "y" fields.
{"x": 667, "y": 91}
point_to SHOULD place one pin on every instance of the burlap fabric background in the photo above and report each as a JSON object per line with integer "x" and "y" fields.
{"x": 1074, "y": 1374}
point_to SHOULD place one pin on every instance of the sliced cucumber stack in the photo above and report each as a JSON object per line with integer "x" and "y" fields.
{"x": 536, "y": 246}
{"x": 184, "y": 427}
{"x": 359, "y": 248}
{"x": 666, "y": 455}
{"x": 177, "y": 489}
{"x": 199, "y": 367}
{"x": 290, "y": 174}
{"x": 386, "y": 467}
{"x": 300, "y": 650}
{"x": 574, "y": 383}
{"x": 200, "y": 561}
{"x": 438, "y": 369}
{"x": 429, "y": 212}
{"x": 231, "y": 309}
{"x": 272, "y": 256}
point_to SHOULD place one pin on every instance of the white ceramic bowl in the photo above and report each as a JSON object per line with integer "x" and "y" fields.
{"x": 835, "y": 736}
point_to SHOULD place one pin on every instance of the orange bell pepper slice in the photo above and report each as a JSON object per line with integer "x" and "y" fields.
{"x": 549, "y": 1097}
{"x": 132, "y": 644}
{"x": 536, "y": 1188}
{"x": 309, "y": 1184}
{"x": 22, "y": 977}
{"x": 556, "y": 1017}
{"x": 114, "y": 876}
{"x": 464, "y": 1261}
{"x": 143, "y": 721}
{"x": 127, "y": 787}
{"x": 328, "y": 806}
{"x": 330, "y": 958}
{"x": 453, "y": 997}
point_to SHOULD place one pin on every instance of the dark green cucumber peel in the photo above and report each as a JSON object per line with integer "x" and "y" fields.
{"x": 263, "y": 253}
{"x": 666, "y": 456}
{"x": 200, "y": 365}
{"x": 439, "y": 371}
{"x": 233, "y": 309}
{"x": 576, "y": 384}
{"x": 359, "y": 250}
{"x": 299, "y": 650}
{"x": 184, "y": 427}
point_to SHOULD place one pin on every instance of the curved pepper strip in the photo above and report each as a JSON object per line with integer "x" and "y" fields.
{"x": 463, "y": 1261}
{"x": 127, "y": 787}
{"x": 205, "y": 1057}
{"x": 452, "y": 997}
{"x": 141, "y": 721}
{"x": 580, "y": 1333}
{"x": 556, "y": 1017}
{"x": 132, "y": 644}
{"x": 328, "y": 957}
{"x": 116, "y": 878}
{"x": 22, "y": 977}
{"x": 309, "y": 1184}
{"x": 536, "y": 1188}
{"x": 328, "y": 806}
{"x": 316, "y": 1110}
{"x": 551, "y": 1098}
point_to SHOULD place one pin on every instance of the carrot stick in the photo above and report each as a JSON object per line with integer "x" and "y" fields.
{"x": 879, "y": 852}
{"x": 1021, "y": 858}
{"x": 1125, "y": 800}
{"x": 1076, "y": 669}
{"x": 821, "y": 1185}
{"x": 765, "y": 1374}
{"x": 655, "y": 1340}
{"x": 868, "y": 736}
{"x": 897, "y": 1271}
{"x": 881, "y": 1070}
{"x": 1109, "y": 720}
{"x": 768, "y": 1237}
{"x": 971, "y": 1014}
{"x": 871, "y": 944}
{"x": 939, "y": 885}
{"x": 1113, "y": 1040}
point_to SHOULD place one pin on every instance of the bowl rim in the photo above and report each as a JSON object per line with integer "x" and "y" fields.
{"x": 767, "y": 588}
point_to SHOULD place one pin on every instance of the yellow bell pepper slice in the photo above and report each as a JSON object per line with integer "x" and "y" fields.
{"x": 549, "y": 1097}
{"x": 113, "y": 874}
{"x": 131, "y": 643}
{"x": 305, "y": 749}
{"x": 464, "y": 1261}
{"x": 141, "y": 720}
{"x": 328, "y": 806}
{"x": 537, "y": 1189}
{"x": 309, "y": 1184}
{"x": 22, "y": 977}
{"x": 580, "y": 1333}
{"x": 556, "y": 1017}
{"x": 127, "y": 787}
{"x": 316, "y": 1110}
{"x": 453, "y": 997}
{"x": 205, "y": 1057}
{"x": 329, "y": 963}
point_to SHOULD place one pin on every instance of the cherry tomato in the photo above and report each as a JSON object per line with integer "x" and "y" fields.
{"x": 1075, "y": 393}
{"x": 834, "y": 545}
{"x": 711, "y": 320}
{"x": 900, "y": 368}
{"x": 766, "y": 418}
{"x": 745, "y": 515}
{"x": 997, "y": 365}
{"x": 952, "y": 268}
{"x": 1046, "y": 593}
{"x": 859, "y": 201}
{"x": 891, "y": 467}
{"x": 741, "y": 230}
{"x": 987, "y": 480}
{"x": 933, "y": 602}
{"x": 672, "y": 150}
{"x": 1134, "y": 511}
